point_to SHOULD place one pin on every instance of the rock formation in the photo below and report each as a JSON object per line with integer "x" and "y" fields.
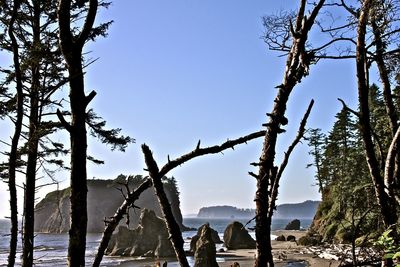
{"x": 237, "y": 237}
{"x": 291, "y": 238}
{"x": 280, "y": 238}
{"x": 293, "y": 225}
{"x": 52, "y": 212}
{"x": 205, "y": 253}
{"x": 214, "y": 236}
{"x": 149, "y": 238}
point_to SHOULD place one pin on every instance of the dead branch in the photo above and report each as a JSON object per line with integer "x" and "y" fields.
{"x": 300, "y": 134}
{"x": 113, "y": 222}
{"x": 208, "y": 150}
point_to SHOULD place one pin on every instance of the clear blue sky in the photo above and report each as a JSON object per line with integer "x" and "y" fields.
{"x": 173, "y": 72}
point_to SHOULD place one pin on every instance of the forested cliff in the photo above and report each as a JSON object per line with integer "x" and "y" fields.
{"x": 348, "y": 211}
{"x": 52, "y": 212}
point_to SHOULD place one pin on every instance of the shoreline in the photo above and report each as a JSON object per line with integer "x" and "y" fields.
{"x": 284, "y": 252}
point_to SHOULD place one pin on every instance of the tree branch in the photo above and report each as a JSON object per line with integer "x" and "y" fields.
{"x": 64, "y": 123}
{"x": 117, "y": 217}
{"x": 209, "y": 150}
{"x": 172, "y": 226}
{"x": 88, "y": 25}
{"x": 300, "y": 134}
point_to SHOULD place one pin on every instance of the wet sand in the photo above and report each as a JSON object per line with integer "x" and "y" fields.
{"x": 284, "y": 253}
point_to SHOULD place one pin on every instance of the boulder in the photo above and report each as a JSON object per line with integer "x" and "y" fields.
{"x": 280, "y": 238}
{"x": 205, "y": 253}
{"x": 214, "y": 236}
{"x": 293, "y": 225}
{"x": 149, "y": 239}
{"x": 291, "y": 238}
{"x": 237, "y": 237}
{"x": 310, "y": 240}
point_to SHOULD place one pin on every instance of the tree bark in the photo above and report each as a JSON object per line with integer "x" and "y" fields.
{"x": 33, "y": 141}
{"x": 297, "y": 65}
{"x": 71, "y": 47}
{"x": 389, "y": 216}
{"x": 392, "y": 173}
{"x": 12, "y": 167}
{"x": 172, "y": 225}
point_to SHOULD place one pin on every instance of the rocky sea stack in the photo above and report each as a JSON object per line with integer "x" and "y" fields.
{"x": 52, "y": 212}
{"x": 149, "y": 238}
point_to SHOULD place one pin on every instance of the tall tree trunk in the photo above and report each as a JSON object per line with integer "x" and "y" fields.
{"x": 33, "y": 141}
{"x": 385, "y": 202}
{"x": 71, "y": 48}
{"x": 297, "y": 65}
{"x": 392, "y": 174}
{"x": 15, "y": 139}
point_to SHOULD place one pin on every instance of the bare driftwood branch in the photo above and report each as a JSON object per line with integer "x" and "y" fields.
{"x": 113, "y": 222}
{"x": 156, "y": 175}
{"x": 300, "y": 134}
{"x": 208, "y": 150}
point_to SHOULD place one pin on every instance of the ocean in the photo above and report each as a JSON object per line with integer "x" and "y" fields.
{"x": 51, "y": 249}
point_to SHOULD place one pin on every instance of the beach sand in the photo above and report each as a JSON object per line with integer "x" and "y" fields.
{"x": 284, "y": 252}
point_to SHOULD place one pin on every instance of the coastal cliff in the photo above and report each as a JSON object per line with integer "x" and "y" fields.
{"x": 52, "y": 212}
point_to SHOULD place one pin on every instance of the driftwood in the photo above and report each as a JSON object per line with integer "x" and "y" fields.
{"x": 131, "y": 197}
{"x": 113, "y": 222}
{"x": 156, "y": 175}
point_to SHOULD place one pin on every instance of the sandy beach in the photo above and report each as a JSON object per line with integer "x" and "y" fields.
{"x": 284, "y": 253}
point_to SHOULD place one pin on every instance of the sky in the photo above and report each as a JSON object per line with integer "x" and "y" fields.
{"x": 171, "y": 73}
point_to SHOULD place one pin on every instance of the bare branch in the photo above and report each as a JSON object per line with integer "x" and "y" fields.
{"x": 300, "y": 134}
{"x": 113, "y": 222}
{"x": 209, "y": 150}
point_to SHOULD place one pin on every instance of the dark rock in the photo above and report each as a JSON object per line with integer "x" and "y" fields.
{"x": 150, "y": 238}
{"x": 291, "y": 238}
{"x": 280, "y": 238}
{"x": 214, "y": 236}
{"x": 237, "y": 237}
{"x": 205, "y": 254}
{"x": 310, "y": 240}
{"x": 293, "y": 225}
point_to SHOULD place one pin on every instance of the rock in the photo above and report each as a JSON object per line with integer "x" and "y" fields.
{"x": 214, "y": 236}
{"x": 310, "y": 240}
{"x": 149, "y": 239}
{"x": 205, "y": 253}
{"x": 291, "y": 238}
{"x": 52, "y": 212}
{"x": 293, "y": 225}
{"x": 280, "y": 238}
{"x": 237, "y": 237}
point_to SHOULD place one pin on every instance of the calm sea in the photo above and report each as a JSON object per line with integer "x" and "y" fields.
{"x": 51, "y": 249}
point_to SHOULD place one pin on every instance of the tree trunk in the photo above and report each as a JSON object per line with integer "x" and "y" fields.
{"x": 78, "y": 138}
{"x": 297, "y": 65}
{"x": 387, "y": 210}
{"x": 33, "y": 141}
{"x": 12, "y": 167}
{"x": 71, "y": 48}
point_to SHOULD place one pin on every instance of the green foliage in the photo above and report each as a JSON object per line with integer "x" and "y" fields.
{"x": 386, "y": 243}
{"x": 348, "y": 209}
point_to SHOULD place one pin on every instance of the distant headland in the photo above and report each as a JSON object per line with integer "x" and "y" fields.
{"x": 303, "y": 210}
